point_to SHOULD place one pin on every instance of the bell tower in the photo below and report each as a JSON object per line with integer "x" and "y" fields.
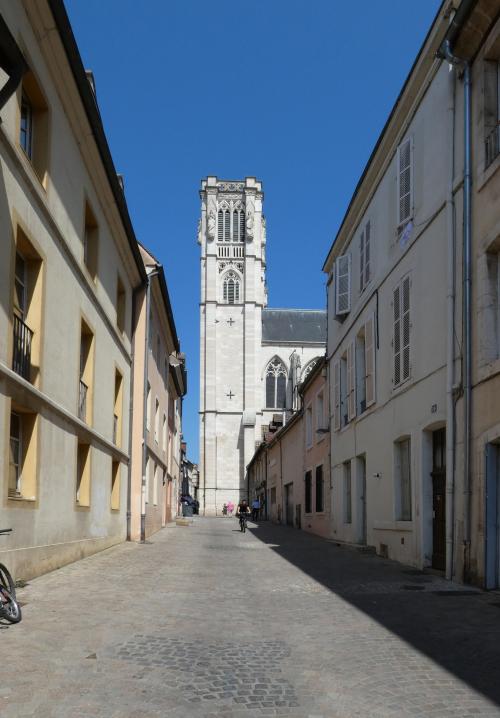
{"x": 232, "y": 238}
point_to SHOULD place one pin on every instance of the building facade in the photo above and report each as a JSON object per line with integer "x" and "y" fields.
{"x": 69, "y": 264}
{"x": 251, "y": 357}
{"x": 159, "y": 385}
{"x": 290, "y": 470}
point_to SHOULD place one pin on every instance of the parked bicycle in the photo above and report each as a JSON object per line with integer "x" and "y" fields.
{"x": 9, "y": 607}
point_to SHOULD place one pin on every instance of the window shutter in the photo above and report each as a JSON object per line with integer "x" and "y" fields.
{"x": 397, "y": 335}
{"x": 370, "y": 361}
{"x": 351, "y": 382}
{"x": 336, "y": 396}
{"x": 343, "y": 284}
{"x": 362, "y": 261}
{"x": 220, "y": 225}
{"x": 367, "y": 253}
{"x": 405, "y": 181}
{"x": 405, "y": 325}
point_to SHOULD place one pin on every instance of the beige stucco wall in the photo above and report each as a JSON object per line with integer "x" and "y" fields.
{"x": 52, "y": 529}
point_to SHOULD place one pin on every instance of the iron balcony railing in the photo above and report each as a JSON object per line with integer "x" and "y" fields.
{"x": 82, "y": 401}
{"x": 492, "y": 146}
{"x": 21, "y": 358}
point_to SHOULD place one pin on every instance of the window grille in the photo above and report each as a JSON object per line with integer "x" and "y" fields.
{"x": 276, "y": 376}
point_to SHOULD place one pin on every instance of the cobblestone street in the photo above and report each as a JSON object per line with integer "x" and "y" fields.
{"x": 271, "y": 623}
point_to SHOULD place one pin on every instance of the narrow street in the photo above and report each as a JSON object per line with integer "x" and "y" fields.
{"x": 205, "y": 621}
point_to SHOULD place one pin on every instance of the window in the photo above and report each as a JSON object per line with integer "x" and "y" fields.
{"x": 364, "y": 257}
{"x": 360, "y": 351}
{"x": 83, "y": 474}
{"x": 403, "y": 480}
{"x": 117, "y": 413}
{"x": 164, "y": 433}
{"x": 115, "y": 485}
{"x": 347, "y": 493}
{"x": 231, "y": 288}
{"x": 121, "y": 303}
{"x": 157, "y": 420}
{"x": 90, "y": 241}
{"x": 146, "y": 487}
{"x": 363, "y": 352}
{"x": 27, "y": 310}
{"x": 491, "y": 110}
{"x": 308, "y": 492}
{"x": 276, "y": 376}
{"x": 344, "y": 417}
{"x": 308, "y": 368}
{"x": 155, "y": 486}
{"x": 320, "y": 414}
{"x": 343, "y": 284}
{"x": 22, "y": 454}
{"x": 401, "y": 333}
{"x": 319, "y": 489}
{"x": 34, "y": 125}
{"x": 148, "y": 408}
{"x": 309, "y": 427}
{"x": 231, "y": 224}
{"x": 85, "y": 391}
{"x": 405, "y": 182}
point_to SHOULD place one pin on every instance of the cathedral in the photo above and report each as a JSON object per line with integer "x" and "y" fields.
{"x": 252, "y": 358}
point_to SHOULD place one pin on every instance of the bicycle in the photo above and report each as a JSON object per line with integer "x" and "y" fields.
{"x": 9, "y": 607}
{"x": 243, "y": 522}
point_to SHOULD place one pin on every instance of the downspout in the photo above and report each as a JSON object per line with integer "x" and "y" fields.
{"x": 145, "y": 405}
{"x": 135, "y": 292}
{"x": 450, "y": 343}
{"x": 446, "y": 53}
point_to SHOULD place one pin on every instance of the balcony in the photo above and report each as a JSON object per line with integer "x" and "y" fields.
{"x": 82, "y": 401}
{"x": 230, "y": 251}
{"x": 492, "y": 146}
{"x": 21, "y": 355}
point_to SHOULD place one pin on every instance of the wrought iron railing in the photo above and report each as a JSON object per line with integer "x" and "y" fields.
{"x": 82, "y": 401}
{"x": 492, "y": 146}
{"x": 21, "y": 355}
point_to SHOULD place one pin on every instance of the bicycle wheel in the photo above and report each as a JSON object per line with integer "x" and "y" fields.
{"x": 9, "y": 607}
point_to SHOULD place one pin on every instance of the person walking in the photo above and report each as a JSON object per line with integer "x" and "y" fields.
{"x": 255, "y": 508}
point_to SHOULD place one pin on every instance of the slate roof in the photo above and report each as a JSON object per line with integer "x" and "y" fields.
{"x": 296, "y": 326}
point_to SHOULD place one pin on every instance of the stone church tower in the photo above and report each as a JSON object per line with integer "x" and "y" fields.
{"x": 233, "y": 293}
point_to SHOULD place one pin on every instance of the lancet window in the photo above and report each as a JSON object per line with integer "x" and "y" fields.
{"x": 276, "y": 376}
{"x": 231, "y": 288}
{"x": 231, "y": 223}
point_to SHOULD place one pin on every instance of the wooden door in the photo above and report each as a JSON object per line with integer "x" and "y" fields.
{"x": 439, "y": 499}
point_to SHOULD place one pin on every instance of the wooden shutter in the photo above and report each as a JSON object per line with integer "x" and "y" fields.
{"x": 367, "y": 253}
{"x": 405, "y": 181}
{"x": 396, "y": 301}
{"x": 405, "y": 328}
{"x": 336, "y": 396}
{"x": 343, "y": 284}
{"x": 351, "y": 382}
{"x": 370, "y": 361}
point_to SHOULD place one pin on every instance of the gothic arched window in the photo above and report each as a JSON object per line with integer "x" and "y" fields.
{"x": 238, "y": 225}
{"x": 276, "y": 376}
{"x": 224, "y": 225}
{"x": 231, "y": 288}
{"x": 308, "y": 368}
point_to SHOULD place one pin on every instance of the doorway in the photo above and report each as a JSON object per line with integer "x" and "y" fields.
{"x": 439, "y": 499}
{"x": 289, "y": 504}
{"x": 492, "y": 495}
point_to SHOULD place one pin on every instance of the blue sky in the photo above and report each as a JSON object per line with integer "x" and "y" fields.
{"x": 292, "y": 92}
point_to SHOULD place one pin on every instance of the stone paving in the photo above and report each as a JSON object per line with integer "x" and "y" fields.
{"x": 204, "y": 621}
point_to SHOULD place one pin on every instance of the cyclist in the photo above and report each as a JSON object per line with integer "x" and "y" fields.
{"x": 242, "y": 512}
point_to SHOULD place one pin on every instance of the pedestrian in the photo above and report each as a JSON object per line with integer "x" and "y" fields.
{"x": 224, "y": 510}
{"x": 255, "y": 508}
{"x": 230, "y": 507}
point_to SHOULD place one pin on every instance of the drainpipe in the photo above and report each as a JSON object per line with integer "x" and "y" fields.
{"x": 151, "y": 274}
{"x": 450, "y": 343}
{"x": 446, "y": 53}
